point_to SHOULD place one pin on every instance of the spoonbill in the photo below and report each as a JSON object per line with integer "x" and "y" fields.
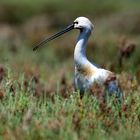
{"x": 86, "y": 73}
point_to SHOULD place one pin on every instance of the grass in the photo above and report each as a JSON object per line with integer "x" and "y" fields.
{"x": 14, "y": 11}
{"x": 24, "y": 116}
{"x": 37, "y": 99}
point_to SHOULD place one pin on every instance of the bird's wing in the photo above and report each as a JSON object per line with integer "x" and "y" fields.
{"x": 111, "y": 77}
{"x": 112, "y": 87}
{"x": 103, "y": 76}
{"x": 109, "y": 81}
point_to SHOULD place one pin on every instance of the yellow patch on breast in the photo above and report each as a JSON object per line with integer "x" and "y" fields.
{"x": 87, "y": 71}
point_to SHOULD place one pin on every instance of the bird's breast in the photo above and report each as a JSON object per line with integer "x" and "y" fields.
{"x": 84, "y": 76}
{"x": 85, "y": 71}
{"x": 87, "y": 75}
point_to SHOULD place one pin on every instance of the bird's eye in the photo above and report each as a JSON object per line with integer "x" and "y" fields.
{"x": 76, "y": 22}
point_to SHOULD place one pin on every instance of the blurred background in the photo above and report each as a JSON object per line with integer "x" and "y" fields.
{"x": 114, "y": 44}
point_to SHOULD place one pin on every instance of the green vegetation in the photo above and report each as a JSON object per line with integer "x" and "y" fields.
{"x": 24, "y": 116}
{"x": 37, "y": 99}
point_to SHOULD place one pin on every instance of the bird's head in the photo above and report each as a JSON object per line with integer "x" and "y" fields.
{"x": 81, "y": 23}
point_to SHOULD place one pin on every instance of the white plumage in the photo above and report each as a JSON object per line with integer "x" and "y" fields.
{"x": 86, "y": 73}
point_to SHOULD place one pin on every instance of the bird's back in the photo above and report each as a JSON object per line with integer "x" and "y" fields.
{"x": 89, "y": 74}
{"x": 91, "y": 78}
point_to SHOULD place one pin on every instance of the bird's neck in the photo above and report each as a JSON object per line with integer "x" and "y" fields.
{"x": 80, "y": 48}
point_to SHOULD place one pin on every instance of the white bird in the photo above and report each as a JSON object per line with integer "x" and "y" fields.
{"x": 86, "y": 73}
